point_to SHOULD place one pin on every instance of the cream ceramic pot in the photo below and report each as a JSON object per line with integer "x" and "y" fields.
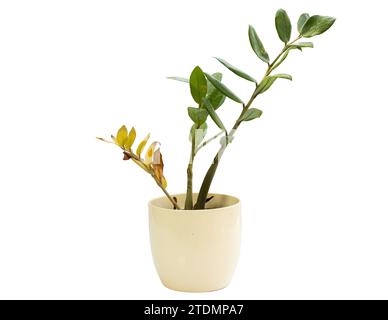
{"x": 195, "y": 250}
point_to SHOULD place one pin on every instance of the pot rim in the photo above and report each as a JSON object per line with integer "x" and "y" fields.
{"x": 151, "y": 204}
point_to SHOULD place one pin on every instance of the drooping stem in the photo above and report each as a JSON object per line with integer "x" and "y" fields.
{"x": 140, "y": 163}
{"x": 208, "y": 179}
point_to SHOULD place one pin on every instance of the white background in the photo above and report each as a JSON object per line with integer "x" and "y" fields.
{"x": 312, "y": 173}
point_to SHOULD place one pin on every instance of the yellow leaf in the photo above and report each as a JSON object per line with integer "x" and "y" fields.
{"x": 121, "y": 136}
{"x": 130, "y": 139}
{"x": 141, "y": 146}
{"x": 150, "y": 152}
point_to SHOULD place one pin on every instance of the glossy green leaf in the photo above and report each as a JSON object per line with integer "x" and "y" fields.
{"x": 302, "y": 20}
{"x": 257, "y": 45}
{"x": 198, "y": 85}
{"x": 181, "y": 79}
{"x": 251, "y": 114}
{"x": 236, "y": 71}
{"x": 198, "y": 116}
{"x": 224, "y": 89}
{"x": 316, "y": 25}
{"x": 283, "y": 25}
{"x": 215, "y": 96}
{"x": 213, "y": 114}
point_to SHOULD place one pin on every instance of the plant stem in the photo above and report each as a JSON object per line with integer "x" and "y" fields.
{"x": 208, "y": 141}
{"x": 189, "y": 190}
{"x": 204, "y": 191}
{"x": 140, "y": 163}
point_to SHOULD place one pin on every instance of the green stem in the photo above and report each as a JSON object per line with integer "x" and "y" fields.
{"x": 208, "y": 141}
{"x": 189, "y": 189}
{"x": 208, "y": 179}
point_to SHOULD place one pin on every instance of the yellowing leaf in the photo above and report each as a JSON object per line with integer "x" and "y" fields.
{"x": 150, "y": 152}
{"x": 130, "y": 139}
{"x": 121, "y": 136}
{"x": 142, "y": 144}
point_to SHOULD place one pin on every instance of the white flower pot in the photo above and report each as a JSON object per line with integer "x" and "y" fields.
{"x": 195, "y": 250}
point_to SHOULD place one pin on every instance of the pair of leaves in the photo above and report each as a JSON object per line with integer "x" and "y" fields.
{"x": 312, "y": 26}
{"x": 124, "y": 139}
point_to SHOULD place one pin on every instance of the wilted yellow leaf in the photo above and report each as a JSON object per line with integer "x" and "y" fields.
{"x": 158, "y": 166}
{"x": 141, "y": 146}
{"x": 121, "y": 136}
{"x": 130, "y": 139}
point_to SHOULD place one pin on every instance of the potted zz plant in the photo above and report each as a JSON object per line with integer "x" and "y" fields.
{"x": 195, "y": 237}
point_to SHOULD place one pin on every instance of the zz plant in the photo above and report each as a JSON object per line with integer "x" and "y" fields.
{"x": 209, "y": 93}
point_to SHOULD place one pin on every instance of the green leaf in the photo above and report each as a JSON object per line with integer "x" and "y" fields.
{"x": 301, "y": 45}
{"x": 198, "y": 116}
{"x": 251, "y": 114}
{"x": 316, "y": 25}
{"x": 257, "y": 45}
{"x": 181, "y": 79}
{"x": 198, "y": 85}
{"x": 284, "y": 56}
{"x": 224, "y": 89}
{"x": 236, "y": 71}
{"x": 283, "y": 25}
{"x": 282, "y": 76}
{"x": 215, "y": 97}
{"x": 213, "y": 114}
{"x": 268, "y": 81}
{"x": 302, "y": 20}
